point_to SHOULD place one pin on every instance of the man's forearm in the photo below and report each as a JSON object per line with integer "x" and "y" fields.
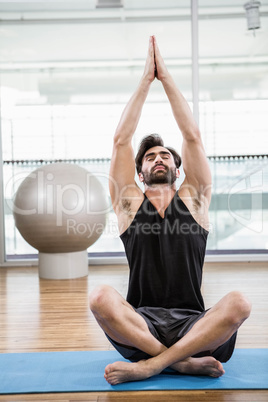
{"x": 132, "y": 112}
{"x": 181, "y": 110}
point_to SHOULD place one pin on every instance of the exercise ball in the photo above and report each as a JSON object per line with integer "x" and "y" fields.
{"x": 61, "y": 209}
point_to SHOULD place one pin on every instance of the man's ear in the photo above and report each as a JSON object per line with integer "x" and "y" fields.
{"x": 177, "y": 173}
{"x": 141, "y": 178}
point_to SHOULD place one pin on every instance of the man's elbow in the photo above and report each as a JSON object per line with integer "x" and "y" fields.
{"x": 120, "y": 139}
{"x": 192, "y": 134}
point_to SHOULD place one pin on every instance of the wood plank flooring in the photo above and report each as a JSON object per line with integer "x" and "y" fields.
{"x": 46, "y": 315}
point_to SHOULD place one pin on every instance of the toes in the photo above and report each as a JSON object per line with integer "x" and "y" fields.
{"x": 110, "y": 374}
{"x": 218, "y": 371}
{"x": 112, "y": 380}
{"x": 108, "y": 369}
{"x": 220, "y": 368}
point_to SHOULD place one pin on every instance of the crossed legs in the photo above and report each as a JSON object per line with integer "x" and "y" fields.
{"x": 121, "y": 323}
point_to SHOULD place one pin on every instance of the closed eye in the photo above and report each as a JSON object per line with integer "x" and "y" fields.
{"x": 152, "y": 156}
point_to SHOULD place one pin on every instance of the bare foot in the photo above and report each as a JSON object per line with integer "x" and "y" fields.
{"x": 200, "y": 366}
{"x": 119, "y": 372}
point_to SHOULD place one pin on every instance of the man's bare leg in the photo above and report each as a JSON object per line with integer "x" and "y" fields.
{"x": 211, "y": 331}
{"x": 120, "y": 321}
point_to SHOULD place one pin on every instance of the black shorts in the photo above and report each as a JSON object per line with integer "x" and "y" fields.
{"x": 169, "y": 326}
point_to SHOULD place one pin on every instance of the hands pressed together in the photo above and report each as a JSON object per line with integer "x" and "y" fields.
{"x": 155, "y": 66}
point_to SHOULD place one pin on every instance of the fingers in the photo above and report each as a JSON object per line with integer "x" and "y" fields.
{"x": 151, "y": 47}
{"x": 156, "y": 52}
{"x": 149, "y": 70}
{"x": 160, "y": 67}
{"x": 154, "y": 64}
{"x": 156, "y": 48}
{"x": 154, "y": 40}
{"x": 150, "y": 54}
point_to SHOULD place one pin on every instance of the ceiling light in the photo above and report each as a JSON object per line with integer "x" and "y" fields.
{"x": 109, "y": 3}
{"x": 252, "y": 13}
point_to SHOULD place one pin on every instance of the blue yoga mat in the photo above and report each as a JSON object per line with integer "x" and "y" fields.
{"x": 83, "y": 371}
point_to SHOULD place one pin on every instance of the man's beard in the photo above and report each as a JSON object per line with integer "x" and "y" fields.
{"x": 167, "y": 176}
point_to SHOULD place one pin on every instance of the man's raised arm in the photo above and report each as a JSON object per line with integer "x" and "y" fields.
{"x": 122, "y": 171}
{"x": 195, "y": 164}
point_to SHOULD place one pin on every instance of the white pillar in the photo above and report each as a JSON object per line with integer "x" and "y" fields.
{"x": 63, "y": 265}
{"x": 2, "y": 210}
{"x": 195, "y": 69}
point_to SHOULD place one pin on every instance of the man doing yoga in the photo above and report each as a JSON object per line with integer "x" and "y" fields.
{"x": 163, "y": 322}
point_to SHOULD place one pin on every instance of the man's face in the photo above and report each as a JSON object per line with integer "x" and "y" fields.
{"x": 158, "y": 167}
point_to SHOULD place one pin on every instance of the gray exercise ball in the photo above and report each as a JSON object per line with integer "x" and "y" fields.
{"x": 61, "y": 208}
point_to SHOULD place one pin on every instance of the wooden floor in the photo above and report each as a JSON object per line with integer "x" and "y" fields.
{"x": 45, "y": 315}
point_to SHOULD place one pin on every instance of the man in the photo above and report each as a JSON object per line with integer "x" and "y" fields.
{"x": 164, "y": 323}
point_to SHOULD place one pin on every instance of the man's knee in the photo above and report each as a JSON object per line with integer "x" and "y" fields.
{"x": 100, "y": 298}
{"x": 239, "y": 307}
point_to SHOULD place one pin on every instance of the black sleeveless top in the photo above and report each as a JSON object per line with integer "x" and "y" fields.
{"x": 165, "y": 257}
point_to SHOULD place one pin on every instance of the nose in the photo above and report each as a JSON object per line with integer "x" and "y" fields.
{"x": 158, "y": 159}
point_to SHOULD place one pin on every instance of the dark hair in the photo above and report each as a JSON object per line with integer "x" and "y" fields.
{"x": 150, "y": 141}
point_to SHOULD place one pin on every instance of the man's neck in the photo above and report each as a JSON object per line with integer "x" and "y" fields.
{"x": 160, "y": 194}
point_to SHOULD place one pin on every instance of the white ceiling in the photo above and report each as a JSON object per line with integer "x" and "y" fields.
{"x": 65, "y": 5}
{"x": 72, "y": 48}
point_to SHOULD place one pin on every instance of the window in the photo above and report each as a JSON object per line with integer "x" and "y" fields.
{"x": 66, "y": 79}
{"x": 233, "y": 117}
